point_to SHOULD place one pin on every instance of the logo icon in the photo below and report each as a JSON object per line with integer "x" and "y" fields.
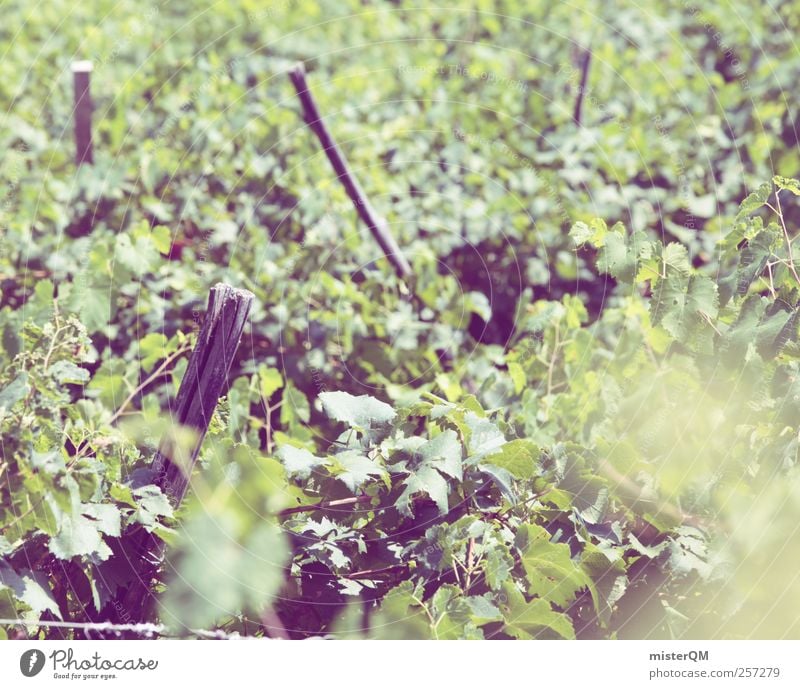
{"x": 31, "y": 662}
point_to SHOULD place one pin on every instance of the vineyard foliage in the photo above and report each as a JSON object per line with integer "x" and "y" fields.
{"x": 578, "y": 419}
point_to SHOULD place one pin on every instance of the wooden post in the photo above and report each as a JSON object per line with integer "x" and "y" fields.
{"x": 585, "y": 62}
{"x": 376, "y": 224}
{"x": 81, "y": 73}
{"x": 202, "y": 384}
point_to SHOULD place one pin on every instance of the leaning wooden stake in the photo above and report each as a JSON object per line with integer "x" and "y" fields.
{"x": 376, "y": 224}
{"x": 203, "y": 383}
{"x": 585, "y": 63}
{"x": 81, "y": 75}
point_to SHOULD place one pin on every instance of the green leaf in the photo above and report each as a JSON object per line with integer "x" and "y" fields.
{"x": 222, "y": 572}
{"x": 94, "y": 307}
{"x": 300, "y": 462}
{"x": 478, "y": 303}
{"x": 51, "y": 462}
{"x": 428, "y": 481}
{"x": 551, "y": 573}
{"x": 356, "y": 469}
{"x": 787, "y": 183}
{"x": 753, "y": 259}
{"x": 607, "y": 580}
{"x": 15, "y": 391}
{"x": 482, "y": 610}
{"x": 359, "y": 412}
{"x": 534, "y": 619}
{"x": 443, "y": 453}
{"x": 675, "y": 259}
{"x": 484, "y": 437}
{"x": 80, "y": 533}
{"x": 517, "y": 457}
{"x": 400, "y": 615}
{"x": 31, "y": 588}
{"x": 270, "y": 381}
{"x": 594, "y": 233}
{"x": 619, "y": 253}
{"x": 755, "y": 200}
{"x": 162, "y": 238}
{"x": 151, "y": 504}
{"x": 499, "y": 564}
{"x": 136, "y": 252}
{"x": 64, "y": 372}
{"x": 518, "y": 377}
{"x": 152, "y": 348}
{"x": 683, "y": 306}
{"x": 295, "y": 405}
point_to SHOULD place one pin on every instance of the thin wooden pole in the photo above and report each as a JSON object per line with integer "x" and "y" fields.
{"x": 585, "y": 63}
{"x": 140, "y": 552}
{"x": 81, "y": 75}
{"x": 376, "y": 224}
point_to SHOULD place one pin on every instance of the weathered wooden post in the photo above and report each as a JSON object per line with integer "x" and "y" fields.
{"x": 376, "y": 224}
{"x": 204, "y": 381}
{"x": 81, "y": 76}
{"x": 202, "y": 384}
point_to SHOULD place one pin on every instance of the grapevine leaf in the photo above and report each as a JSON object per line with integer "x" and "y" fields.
{"x": 443, "y": 453}
{"x": 534, "y": 619}
{"x": 300, "y": 462}
{"x": 64, "y": 372}
{"x": 14, "y": 391}
{"x": 358, "y": 412}
{"x": 518, "y": 457}
{"x": 787, "y": 183}
{"x": 29, "y": 587}
{"x": 498, "y": 565}
{"x": 270, "y": 380}
{"x": 551, "y": 573}
{"x": 356, "y": 469}
{"x": 755, "y": 200}
{"x": 425, "y": 480}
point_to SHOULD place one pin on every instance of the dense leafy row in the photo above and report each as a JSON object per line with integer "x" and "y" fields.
{"x": 624, "y": 478}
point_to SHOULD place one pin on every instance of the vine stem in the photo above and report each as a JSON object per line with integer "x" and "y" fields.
{"x": 324, "y": 505}
{"x": 147, "y": 381}
{"x": 152, "y": 377}
{"x": 469, "y": 562}
{"x": 368, "y": 573}
{"x": 787, "y": 237}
